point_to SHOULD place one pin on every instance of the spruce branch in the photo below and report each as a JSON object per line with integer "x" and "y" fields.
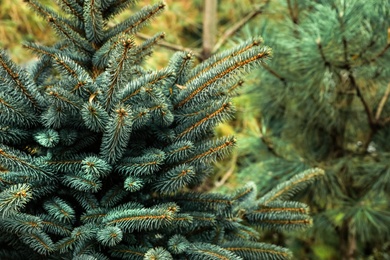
{"x": 227, "y": 68}
{"x": 135, "y": 23}
{"x": 73, "y": 7}
{"x": 288, "y": 188}
{"x": 222, "y": 57}
{"x": 18, "y": 78}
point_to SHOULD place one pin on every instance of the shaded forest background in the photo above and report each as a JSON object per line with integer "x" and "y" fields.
{"x": 348, "y": 131}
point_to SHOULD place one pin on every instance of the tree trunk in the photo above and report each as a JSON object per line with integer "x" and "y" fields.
{"x": 348, "y": 241}
{"x": 210, "y": 21}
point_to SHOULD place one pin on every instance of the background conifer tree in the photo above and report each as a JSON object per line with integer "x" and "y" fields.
{"x": 98, "y": 155}
{"x": 324, "y": 101}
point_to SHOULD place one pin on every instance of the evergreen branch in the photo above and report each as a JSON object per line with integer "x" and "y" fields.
{"x": 289, "y": 222}
{"x": 281, "y": 209}
{"x": 253, "y": 250}
{"x": 279, "y": 215}
{"x": 233, "y": 88}
{"x": 39, "y": 241}
{"x": 13, "y": 160}
{"x": 233, "y": 29}
{"x": 82, "y": 183}
{"x": 18, "y": 77}
{"x": 74, "y": 8}
{"x": 203, "y": 202}
{"x": 210, "y": 119}
{"x": 114, "y": 7}
{"x": 243, "y": 194}
{"x": 134, "y": 23}
{"x": 229, "y": 67}
{"x": 51, "y": 226}
{"x": 201, "y": 250}
{"x": 382, "y": 103}
{"x": 210, "y": 151}
{"x": 109, "y": 236}
{"x": 64, "y": 99}
{"x": 139, "y": 219}
{"x": 178, "y": 151}
{"x": 15, "y": 113}
{"x": 351, "y": 77}
{"x": 145, "y": 48}
{"x": 116, "y": 68}
{"x": 66, "y": 165}
{"x": 146, "y": 164}
{"x": 114, "y": 195}
{"x": 175, "y": 179}
{"x": 14, "y": 198}
{"x": 116, "y": 134}
{"x": 181, "y": 65}
{"x": 70, "y": 66}
{"x": 128, "y": 252}
{"x": 286, "y": 189}
{"x": 60, "y": 210}
{"x": 62, "y": 26}
{"x": 95, "y": 117}
{"x": 94, "y": 215}
{"x": 93, "y": 21}
{"x": 65, "y": 244}
{"x": 147, "y": 84}
{"x": 218, "y": 59}
{"x": 102, "y": 56}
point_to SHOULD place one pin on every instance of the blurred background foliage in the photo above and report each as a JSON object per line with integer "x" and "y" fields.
{"x": 314, "y": 104}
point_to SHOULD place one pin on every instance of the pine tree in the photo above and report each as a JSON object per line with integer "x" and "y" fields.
{"x": 99, "y": 156}
{"x": 324, "y": 102}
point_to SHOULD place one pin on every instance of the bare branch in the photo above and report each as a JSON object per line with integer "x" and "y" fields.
{"x": 382, "y": 103}
{"x": 170, "y": 46}
{"x": 381, "y": 53}
{"x": 228, "y": 173}
{"x": 237, "y": 26}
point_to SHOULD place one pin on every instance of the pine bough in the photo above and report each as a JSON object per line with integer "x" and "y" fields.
{"x": 99, "y": 157}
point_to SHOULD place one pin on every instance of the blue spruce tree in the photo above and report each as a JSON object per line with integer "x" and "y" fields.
{"x": 99, "y": 156}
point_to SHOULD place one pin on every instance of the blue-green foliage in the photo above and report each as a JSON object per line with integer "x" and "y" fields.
{"x": 98, "y": 155}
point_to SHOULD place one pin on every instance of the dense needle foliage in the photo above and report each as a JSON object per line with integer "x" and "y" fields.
{"x": 324, "y": 101}
{"x": 99, "y": 157}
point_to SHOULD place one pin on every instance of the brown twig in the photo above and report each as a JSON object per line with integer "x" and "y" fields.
{"x": 273, "y": 72}
{"x": 170, "y": 46}
{"x": 228, "y": 173}
{"x": 293, "y": 11}
{"x": 382, "y": 103}
{"x": 237, "y": 26}
{"x": 381, "y": 53}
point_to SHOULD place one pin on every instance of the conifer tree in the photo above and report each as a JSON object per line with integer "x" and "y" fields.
{"x": 98, "y": 155}
{"x": 324, "y": 101}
